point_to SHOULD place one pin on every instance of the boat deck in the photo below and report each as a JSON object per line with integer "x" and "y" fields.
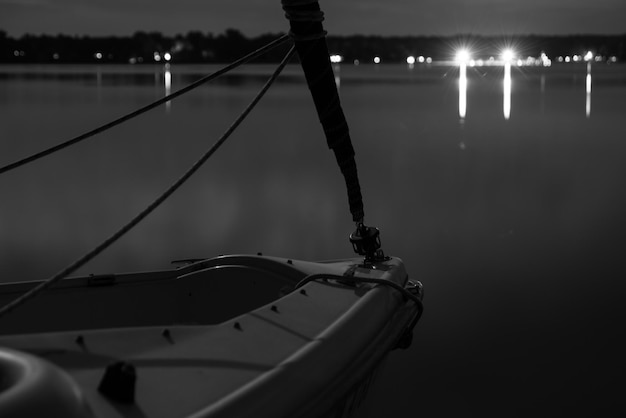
{"x": 324, "y": 332}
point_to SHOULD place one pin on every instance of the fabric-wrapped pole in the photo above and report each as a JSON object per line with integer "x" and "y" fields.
{"x": 305, "y": 18}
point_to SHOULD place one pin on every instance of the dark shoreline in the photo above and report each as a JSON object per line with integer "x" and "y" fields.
{"x": 198, "y": 47}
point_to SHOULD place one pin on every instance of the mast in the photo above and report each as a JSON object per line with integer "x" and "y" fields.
{"x": 305, "y": 19}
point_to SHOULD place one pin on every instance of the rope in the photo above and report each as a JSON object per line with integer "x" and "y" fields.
{"x": 407, "y": 295}
{"x": 146, "y": 108}
{"x": 150, "y": 208}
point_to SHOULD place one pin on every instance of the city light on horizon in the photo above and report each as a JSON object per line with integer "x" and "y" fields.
{"x": 462, "y": 56}
{"x": 508, "y": 55}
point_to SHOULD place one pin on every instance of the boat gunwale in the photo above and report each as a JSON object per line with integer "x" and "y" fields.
{"x": 356, "y": 363}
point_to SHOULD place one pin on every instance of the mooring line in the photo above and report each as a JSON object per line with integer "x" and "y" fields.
{"x": 150, "y": 208}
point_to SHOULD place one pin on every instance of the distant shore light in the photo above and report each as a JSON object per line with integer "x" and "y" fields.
{"x": 508, "y": 55}
{"x": 376, "y": 60}
{"x": 462, "y": 56}
{"x": 410, "y": 60}
{"x": 588, "y": 56}
{"x": 336, "y": 59}
{"x": 167, "y": 56}
{"x": 98, "y": 55}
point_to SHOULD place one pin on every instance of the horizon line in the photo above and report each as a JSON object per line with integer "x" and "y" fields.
{"x": 330, "y": 35}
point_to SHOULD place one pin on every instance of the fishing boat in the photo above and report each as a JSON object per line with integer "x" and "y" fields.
{"x": 229, "y": 336}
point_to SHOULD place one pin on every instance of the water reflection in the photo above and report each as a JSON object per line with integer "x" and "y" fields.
{"x": 542, "y": 91}
{"x": 336, "y": 71}
{"x": 168, "y": 86}
{"x": 506, "y": 102}
{"x": 588, "y": 91}
{"x": 506, "y": 91}
{"x": 462, "y": 90}
{"x": 99, "y": 83}
{"x": 507, "y": 85}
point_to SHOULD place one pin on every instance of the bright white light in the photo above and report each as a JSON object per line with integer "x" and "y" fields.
{"x": 421, "y": 59}
{"x": 336, "y": 59}
{"x": 429, "y": 60}
{"x": 567, "y": 58}
{"x": 577, "y": 58}
{"x": 157, "y": 57}
{"x": 462, "y": 56}
{"x": 588, "y": 56}
{"x": 508, "y": 55}
{"x": 167, "y": 56}
{"x": 377, "y": 60}
{"x": 98, "y": 55}
{"x": 410, "y": 60}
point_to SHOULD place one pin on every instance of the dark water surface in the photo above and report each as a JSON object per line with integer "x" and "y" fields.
{"x": 510, "y": 211}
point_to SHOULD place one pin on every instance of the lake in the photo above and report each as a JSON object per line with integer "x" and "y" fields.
{"x": 502, "y": 191}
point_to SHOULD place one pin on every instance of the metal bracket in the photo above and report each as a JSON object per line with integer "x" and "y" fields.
{"x": 366, "y": 241}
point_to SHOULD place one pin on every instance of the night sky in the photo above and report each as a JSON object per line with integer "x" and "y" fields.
{"x": 343, "y": 17}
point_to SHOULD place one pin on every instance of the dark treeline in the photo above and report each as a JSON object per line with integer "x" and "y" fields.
{"x": 198, "y": 47}
{"x": 141, "y": 47}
